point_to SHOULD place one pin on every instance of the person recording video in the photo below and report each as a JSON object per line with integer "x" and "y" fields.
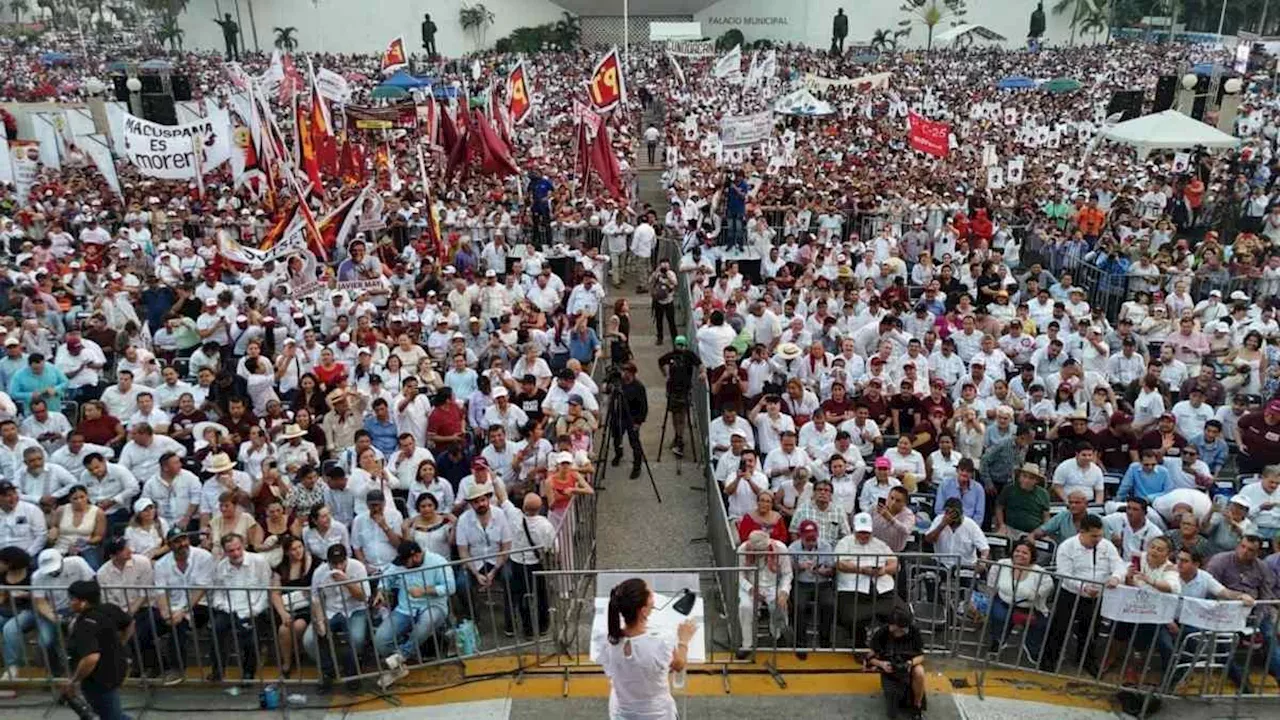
{"x": 626, "y": 418}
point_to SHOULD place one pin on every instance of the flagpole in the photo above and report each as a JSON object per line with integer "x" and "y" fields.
{"x": 626, "y": 31}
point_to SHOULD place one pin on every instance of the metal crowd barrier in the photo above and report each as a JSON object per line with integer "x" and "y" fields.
{"x": 238, "y": 635}
{"x": 1109, "y": 287}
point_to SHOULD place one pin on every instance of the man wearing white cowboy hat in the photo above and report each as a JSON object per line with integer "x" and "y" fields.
{"x": 293, "y": 452}
{"x": 483, "y": 538}
{"x": 224, "y": 477}
{"x": 342, "y": 421}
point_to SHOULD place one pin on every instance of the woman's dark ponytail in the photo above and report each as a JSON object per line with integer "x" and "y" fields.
{"x": 625, "y": 602}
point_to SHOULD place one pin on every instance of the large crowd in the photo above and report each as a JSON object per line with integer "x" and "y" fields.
{"x": 899, "y": 355}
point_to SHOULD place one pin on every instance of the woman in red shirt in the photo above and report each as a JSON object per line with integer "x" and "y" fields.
{"x": 447, "y": 423}
{"x": 100, "y": 427}
{"x": 765, "y": 518}
{"x": 329, "y": 372}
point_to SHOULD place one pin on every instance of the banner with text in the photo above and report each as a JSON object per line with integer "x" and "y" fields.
{"x": 692, "y": 48}
{"x": 928, "y": 136}
{"x": 878, "y": 81}
{"x": 1213, "y": 615}
{"x": 744, "y": 130}
{"x": 1139, "y": 605}
{"x": 166, "y": 151}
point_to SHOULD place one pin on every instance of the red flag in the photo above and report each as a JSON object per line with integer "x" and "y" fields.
{"x": 322, "y": 138}
{"x": 351, "y": 167}
{"x": 519, "y": 100}
{"x": 607, "y": 87}
{"x": 448, "y": 131}
{"x": 928, "y": 136}
{"x": 605, "y": 163}
{"x": 394, "y": 57}
{"x": 282, "y": 223}
{"x": 291, "y": 84}
{"x": 308, "y": 160}
{"x": 496, "y": 118}
{"x": 496, "y": 158}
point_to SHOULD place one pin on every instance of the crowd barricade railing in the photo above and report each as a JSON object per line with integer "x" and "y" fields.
{"x": 1110, "y": 287}
{"x": 1069, "y": 633}
{"x": 236, "y": 635}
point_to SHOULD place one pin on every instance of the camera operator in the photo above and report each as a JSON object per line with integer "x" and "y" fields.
{"x": 897, "y": 653}
{"x": 662, "y": 291}
{"x": 627, "y": 418}
{"x": 736, "y": 191}
{"x": 97, "y": 640}
{"x": 678, "y": 366}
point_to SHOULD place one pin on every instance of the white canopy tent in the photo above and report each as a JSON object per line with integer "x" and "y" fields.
{"x": 672, "y": 31}
{"x": 1168, "y": 130}
{"x": 960, "y": 31}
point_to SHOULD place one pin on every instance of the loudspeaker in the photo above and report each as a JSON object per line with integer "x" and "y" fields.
{"x": 1166, "y": 93}
{"x": 1202, "y": 97}
{"x": 181, "y": 85}
{"x": 158, "y": 108}
{"x": 119, "y": 89}
{"x": 1127, "y": 102}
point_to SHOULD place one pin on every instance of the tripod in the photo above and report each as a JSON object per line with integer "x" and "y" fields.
{"x": 675, "y": 412}
{"x": 617, "y": 409}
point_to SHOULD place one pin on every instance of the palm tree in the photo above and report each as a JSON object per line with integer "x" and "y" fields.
{"x": 1078, "y": 9}
{"x": 17, "y": 7}
{"x": 932, "y": 13}
{"x": 884, "y": 41}
{"x": 285, "y": 39}
{"x": 476, "y": 20}
{"x": 169, "y": 32}
{"x": 1095, "y": 23}
{"x": 568, "y": 31}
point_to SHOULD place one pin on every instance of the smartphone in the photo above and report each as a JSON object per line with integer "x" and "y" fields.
{"x": 1135, "y": 562}
{"x": 880, "y": 501}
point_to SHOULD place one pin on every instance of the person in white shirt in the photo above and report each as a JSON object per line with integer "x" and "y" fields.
{"x": 1264, "y": 499}
{"x": 182, "y": 574}
{"x": 530, "y": 530}
{"x": 40, "y": 482}
{"x": 1086, "y": 563}
{"x": 71, "y": 456}
{"x": 1191, "y": 414}
{"x": 782, "y": 461}
{"x": 54, "y": 605}
{"x": 241, "y": 605}
{"x": 484, "y": 539}
{"x": 712, "y": 339}
{"x": 111, "y": 487}
{"x": 175, "y": 491}
{"x": 22, "y": 524}
{"x": 865, "y": 571}
{"x": 957, "y": 540}
{"x": 46, "y": 427}
{"x": 1131, "y": 530}
{"x": 141, "y": 455}
{"x": 766, "y": 585}
{"x": 724, "y": 427}
{"x": 121, "y": 399}
{"x": 339, "y": 602}
{"x": 1080, "y": 471}
{"x": 375, "y": 533}
{"x": 742, "y": 484}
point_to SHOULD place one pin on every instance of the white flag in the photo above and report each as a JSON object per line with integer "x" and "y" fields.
{"x": 729, "y": 66}
{"x": 675, "y": 68}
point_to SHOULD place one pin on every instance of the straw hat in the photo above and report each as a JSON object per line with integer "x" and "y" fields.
{"x": 291, "y": 432}
{"x": 219, "y": 462}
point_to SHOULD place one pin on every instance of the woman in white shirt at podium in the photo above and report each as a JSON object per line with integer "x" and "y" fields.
{"x": 637, "y": 661}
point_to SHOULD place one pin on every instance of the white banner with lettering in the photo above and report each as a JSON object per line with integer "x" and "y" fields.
{"x": 165, "y": 151}
{"x": 744, "y": 130}
{"x": 333, "y": 86}
{"x": 878, "y": 81}
{"x": 1139, "y": 605}
{"x": 1213, "y": 615}
{"x": 692, "y": 48}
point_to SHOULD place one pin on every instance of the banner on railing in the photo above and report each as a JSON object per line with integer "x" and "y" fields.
{"x": 1214, "y": 615}
{"x": 1139, "y": 605}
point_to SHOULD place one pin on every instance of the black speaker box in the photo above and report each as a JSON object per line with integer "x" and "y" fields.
{"x": 1166, "y": 93}
{"x": 158, "y": 108}
{"x": 1126, "y": 102}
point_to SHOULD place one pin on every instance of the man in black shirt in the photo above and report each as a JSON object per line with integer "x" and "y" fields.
{"x": 96, "y": 642}
{"x": 897, "y": 653}
{"x": 529, "y": 398}
{"x": 679, "y": 366}
{"x": 627, "y": 419}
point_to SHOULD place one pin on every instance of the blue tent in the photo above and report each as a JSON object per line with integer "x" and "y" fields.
{"x": 405, "y": 81}
{"x": 1015, "y": 82}
{"x": 1207, "y": 68}
{"x": 156, "y": 65}
{"x": 55, "y": 58}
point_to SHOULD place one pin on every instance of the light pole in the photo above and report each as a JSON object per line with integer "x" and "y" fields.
{"x": 96, "y": 89}
{"x": 1222, "y": 19}
{"x": 134, "y": 85}
{"x": 626, "y": 32}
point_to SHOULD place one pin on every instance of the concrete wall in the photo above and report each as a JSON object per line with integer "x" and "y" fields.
{"x": 809, "y": 21}
{"x": 363, "y": 26}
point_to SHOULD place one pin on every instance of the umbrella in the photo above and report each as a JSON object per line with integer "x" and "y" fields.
{"x": 389, "y": 92}
{"x": 404, "y": 80}
{"x": 1015, "y": 82}
{"x": 1061, "y": 85}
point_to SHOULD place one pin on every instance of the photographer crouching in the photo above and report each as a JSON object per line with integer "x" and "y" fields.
{"x": 897, "y": 653}
{"x": 628, "y": 408}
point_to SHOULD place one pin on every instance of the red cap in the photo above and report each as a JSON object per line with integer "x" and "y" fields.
{"x": 808, "y": 527}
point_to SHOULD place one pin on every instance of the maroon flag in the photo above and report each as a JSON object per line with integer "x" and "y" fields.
{"x": 448, "y": 131}
{"x": 495, "y": 157}
{"x": 605, "y": 163}
{"x": 928, "y": 136}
